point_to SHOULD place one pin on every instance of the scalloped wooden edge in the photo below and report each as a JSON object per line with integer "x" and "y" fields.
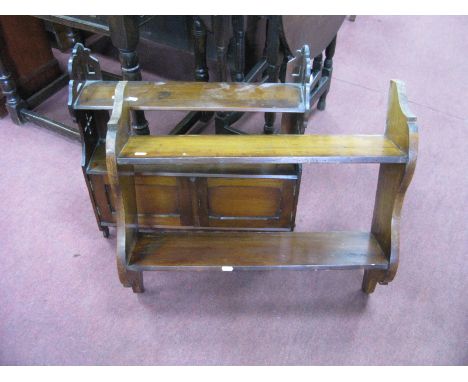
{"x": 393, "y": 182}
{"x": 123, "y": 188}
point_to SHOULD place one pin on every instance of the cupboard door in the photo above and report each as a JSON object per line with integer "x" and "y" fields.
{"x": 163, "y": 201}
{"x": 248, "y": 203}
{"x": 172, "y": 201}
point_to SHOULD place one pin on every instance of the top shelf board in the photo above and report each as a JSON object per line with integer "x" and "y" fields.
{"x": 195, "y": 96}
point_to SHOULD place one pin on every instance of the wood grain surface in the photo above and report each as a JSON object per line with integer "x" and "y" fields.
{"x": 204, "y": 96}
{"x": 261, "y": 149}
{"x": 253, "y": 250}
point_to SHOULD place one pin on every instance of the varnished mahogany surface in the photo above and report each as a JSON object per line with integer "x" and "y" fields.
{"x": 249, "y": 250}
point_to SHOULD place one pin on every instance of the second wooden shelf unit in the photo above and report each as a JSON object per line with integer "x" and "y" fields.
{"x": 376, "y": 251}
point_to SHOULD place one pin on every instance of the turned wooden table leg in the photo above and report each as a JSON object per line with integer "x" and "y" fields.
{"x": 199, "y": 37}
{"x": 124, "y": 32}
{"x": 199, "y": 33}
{"x": 224, "y": 121}
{"x": 285, "y": 52}
{"x": 13, "y": 102}
{"x": 272, "y": 50}
{"x": 327, "y": 72}
{"x": 239, "y": 54}
{"x": 201, "y": 68}
{"x": 219, "y": 30}
{"x": 73, "y": 36}
{"x": 65, "y": 37}
{"x": 317, "y": 64}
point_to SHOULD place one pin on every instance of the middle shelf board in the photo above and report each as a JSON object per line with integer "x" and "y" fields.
{"x": 212, "y": 149}
{"x": 97, "y": 166}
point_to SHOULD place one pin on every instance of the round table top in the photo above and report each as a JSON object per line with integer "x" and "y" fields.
{"x": 316, "y": 31}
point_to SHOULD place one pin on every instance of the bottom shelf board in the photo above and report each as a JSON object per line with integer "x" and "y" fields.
{"x": 256, "y": 251}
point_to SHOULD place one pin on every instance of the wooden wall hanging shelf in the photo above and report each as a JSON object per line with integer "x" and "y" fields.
{"x": 205, "y": 218}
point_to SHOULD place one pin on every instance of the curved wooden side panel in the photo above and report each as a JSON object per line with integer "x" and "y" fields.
{"x": 393, "y": 182}
{"x": 81, "y": 68}
{"x": 123, "y": 189}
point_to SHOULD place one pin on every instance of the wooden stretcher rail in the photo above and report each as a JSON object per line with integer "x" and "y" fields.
{"x": 261, "y": 149}
{"x": 195, "y": 96}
